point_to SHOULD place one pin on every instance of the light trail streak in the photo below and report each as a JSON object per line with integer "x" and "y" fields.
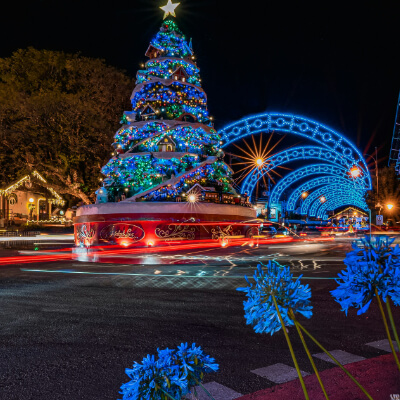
{"x": 67, "y": 255}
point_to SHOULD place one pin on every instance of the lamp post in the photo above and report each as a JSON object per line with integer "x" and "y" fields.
{"x": 389, "y": 206}
{"x": 377, "y": 177}
{"x": 378, "y": 204}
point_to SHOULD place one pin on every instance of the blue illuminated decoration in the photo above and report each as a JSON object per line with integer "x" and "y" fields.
{"x": 293, "y": 154}
{"x": 336, "y": 152}
{"x": 274, "y": 122}
{"x": 321, "y": 181}
{"x": 323, "y": 191}
{"x": 394, "y": 159}
{"x": 302, "y": 173}
{"x": 337, "y": 194}
{"x": 344, "y": 201}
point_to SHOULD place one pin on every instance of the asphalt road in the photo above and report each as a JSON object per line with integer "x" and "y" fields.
{"x": 68, "y": 329}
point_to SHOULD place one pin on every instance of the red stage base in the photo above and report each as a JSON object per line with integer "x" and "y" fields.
{"x": 148, "y": 224}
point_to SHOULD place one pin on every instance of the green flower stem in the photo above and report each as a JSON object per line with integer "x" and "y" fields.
{"x": 387, "y": 328}
{"x": 167, "y": 394}
{"x": 205, "y": 390}
{"x": 291, "y": 313}
{"x": 303, "y": 385}
{"x": 332, "y": 358}
{"x": 389, "y": 311}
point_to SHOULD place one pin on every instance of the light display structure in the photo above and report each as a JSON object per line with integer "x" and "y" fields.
{"x": 341, "y": 163}
{"x": 394, "y": 158}
{"x": 166, "y": 179}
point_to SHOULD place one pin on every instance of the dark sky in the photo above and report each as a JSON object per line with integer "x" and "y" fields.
{"x": 332, "y": 63}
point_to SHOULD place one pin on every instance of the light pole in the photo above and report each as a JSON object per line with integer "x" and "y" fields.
{"x": 377, "y": 177}
{"x": 377, "y": 203}
{"x": 389, "y": 206}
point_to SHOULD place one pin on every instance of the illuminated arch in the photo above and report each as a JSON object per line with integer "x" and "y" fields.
{"x": 313, "y": 183}
{"x": 290, "y": 155}
{"x": 312, "y": 130}
{"x": 309, "y": 170}
{"x": 344, "y": 201}
{"x": 334, "y": 195}
{"x": 333, "y": 150}
{"x": 313, "y": 196}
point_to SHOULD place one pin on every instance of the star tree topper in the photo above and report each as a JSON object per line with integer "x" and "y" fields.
{"x": 169, "y": 9}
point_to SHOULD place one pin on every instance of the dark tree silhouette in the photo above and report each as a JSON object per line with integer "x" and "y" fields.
{"x": 58, "y": 114}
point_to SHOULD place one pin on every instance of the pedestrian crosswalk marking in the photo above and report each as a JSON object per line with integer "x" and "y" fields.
{"x": 217, "y": 391}
{"x": 342, "y": 356}
{"x": 383, "y": 345}
{"x": 279, "y": 373}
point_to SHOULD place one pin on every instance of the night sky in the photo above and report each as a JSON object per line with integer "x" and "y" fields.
{"x": 331, "y": 63}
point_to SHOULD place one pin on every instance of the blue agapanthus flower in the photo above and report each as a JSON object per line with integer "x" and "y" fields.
{"x": 260, "y": 310}
{"x": 375, "y": 266}
{"x": 193, "y": 364}
{"x": 175, "y": 372}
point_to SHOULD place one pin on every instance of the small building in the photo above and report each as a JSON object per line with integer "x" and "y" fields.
{"x": 29, "y": 199}
{"x": 166, "y": 144}
{"x": 179, "y": 75}
{"x": 148, "y": 112}
{"x": 153, "y": 52}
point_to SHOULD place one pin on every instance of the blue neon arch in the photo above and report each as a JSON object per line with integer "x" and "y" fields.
{"x": 293, "y": 124}
{"x": 333, "y": 148}
{"x": 334, "y": 204}
{"x": 321, "y": 181}
{"x": 337, "y": 195}
{"x": 309, "y": 170}
{"x": 316, "y": 194}
{"x": 290, "y": 155}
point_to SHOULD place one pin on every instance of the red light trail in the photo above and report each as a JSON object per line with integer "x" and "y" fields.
{"x": 67, "y": 254}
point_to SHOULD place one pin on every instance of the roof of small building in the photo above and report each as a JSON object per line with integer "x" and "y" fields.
{"x": 39, "y": 180}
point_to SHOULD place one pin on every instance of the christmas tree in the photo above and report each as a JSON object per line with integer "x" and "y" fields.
{"x": 167, "y": 143}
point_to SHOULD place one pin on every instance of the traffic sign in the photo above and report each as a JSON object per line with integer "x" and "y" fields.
{"x": 379, "y": 219}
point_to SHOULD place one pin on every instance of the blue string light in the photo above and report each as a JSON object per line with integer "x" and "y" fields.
{"x": 302, "y": 173}
{"x": 339, "y": 181}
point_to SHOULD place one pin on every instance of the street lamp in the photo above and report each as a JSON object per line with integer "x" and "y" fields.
{"x": 376, "y": 172}
{"x": 355, "y": 172}
{"x": 259, "y": 162}
{"x": 389, "y": 206}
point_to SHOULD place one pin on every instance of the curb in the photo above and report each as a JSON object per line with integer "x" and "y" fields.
{"x": 378, "y": 375}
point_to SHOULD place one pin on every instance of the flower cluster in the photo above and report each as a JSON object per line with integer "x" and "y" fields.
{"x": 174, "y": 373}
{"x": 376, "y": 266}
{"x": 274, "y": 280}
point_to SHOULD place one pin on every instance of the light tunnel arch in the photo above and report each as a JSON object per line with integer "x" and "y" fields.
{"x": 334, "y": 204}
{"x": 333, "y": 148}
{"x": 315, "y": 195}
{"x": 290, "y": 155}
{"x": 301, "y": 173}
{"x": 334, "y": 196}
{"x": 339, "y": 181}
{"x": 294, "y": 124}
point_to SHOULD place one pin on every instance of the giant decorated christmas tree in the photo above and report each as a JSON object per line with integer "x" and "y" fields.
{"x": 167, "y": 179}
{"x": 167, "y": 144}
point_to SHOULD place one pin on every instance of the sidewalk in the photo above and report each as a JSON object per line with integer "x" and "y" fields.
{"x": 379, "y": 376}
